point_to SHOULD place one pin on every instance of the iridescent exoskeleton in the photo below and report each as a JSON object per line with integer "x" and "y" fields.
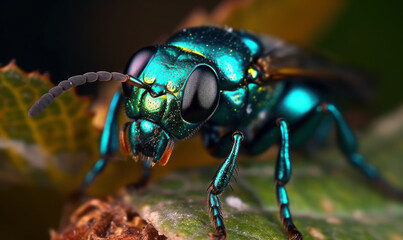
{"x": 241, "y": 91}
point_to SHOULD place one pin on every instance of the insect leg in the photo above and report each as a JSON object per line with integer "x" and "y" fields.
{"x": 282, "y": 176}
{"x": 218, "y": 184}
{"x": 144, "y": 179}
{"x": 349, "y": 146}
{"x": 109, "y": 141}
{"x": 218, "y": 146}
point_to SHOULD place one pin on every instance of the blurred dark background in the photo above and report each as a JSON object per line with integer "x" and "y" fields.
{"x": 65, "y": 38}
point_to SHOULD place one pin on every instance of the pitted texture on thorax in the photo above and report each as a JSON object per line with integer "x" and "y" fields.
{"x": 222, "y": 46}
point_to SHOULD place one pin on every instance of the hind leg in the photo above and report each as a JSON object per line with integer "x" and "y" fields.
{"x": 347, "y": 143}
{"x": 349, "y": 146}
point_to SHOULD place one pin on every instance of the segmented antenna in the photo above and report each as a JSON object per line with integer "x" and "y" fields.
{"x": 78, "y": 80}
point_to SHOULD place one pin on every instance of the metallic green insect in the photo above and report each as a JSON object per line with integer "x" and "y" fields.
{"x": 241, "y": 91}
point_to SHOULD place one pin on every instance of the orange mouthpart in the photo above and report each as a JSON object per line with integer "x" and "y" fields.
{"x": 124, "y": 138}
{"x": 167, "y": 153}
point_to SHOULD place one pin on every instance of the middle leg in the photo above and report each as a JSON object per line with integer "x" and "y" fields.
{"x": 269, "y": 135}
{"x": 282, "y": 176}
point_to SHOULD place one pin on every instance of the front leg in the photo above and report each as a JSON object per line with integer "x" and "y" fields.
{"x": 109, "y": 142}
{"x": 218, "y": 145}
{"x": 219, "y": 183}
{"x": 144, "y": 179}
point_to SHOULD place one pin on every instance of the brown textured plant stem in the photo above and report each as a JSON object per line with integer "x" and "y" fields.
{"x": 110, "y": 220}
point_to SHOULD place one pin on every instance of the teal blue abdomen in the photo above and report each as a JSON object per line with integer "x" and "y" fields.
{"x": 299, "y": 106}
{"x": 298, "y": 100}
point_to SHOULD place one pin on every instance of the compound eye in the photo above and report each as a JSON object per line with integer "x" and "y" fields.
{"x": 136, "y": 65}
{"x": 200, "y": 96}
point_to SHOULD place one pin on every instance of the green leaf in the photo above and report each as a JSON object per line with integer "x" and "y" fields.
{"x": 48, "y": 150}
{"x": 329, "y": 199}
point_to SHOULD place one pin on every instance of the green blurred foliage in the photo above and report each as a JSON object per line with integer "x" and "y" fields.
{"x": 50, "y": 149}
{"x": 42, "y": 158}
{"x": 369, "y": 34}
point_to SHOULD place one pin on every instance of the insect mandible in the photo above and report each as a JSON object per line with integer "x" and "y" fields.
{"x": 241, "y": 91}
